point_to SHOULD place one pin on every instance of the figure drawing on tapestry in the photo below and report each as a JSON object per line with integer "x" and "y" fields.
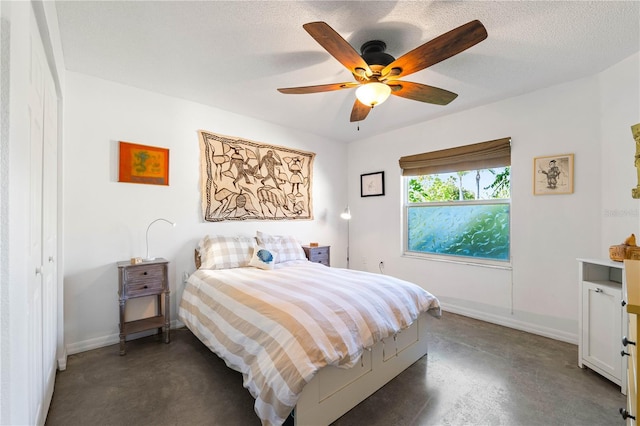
{"x": 246, "y": 180}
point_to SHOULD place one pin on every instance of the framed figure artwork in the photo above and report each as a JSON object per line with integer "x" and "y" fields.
{"x": 143, "y": 164}
{"x": 553, "y": 175}
{"x": 372, "y": 184}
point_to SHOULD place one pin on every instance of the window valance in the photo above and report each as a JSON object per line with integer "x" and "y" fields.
{"x": 483, "y": 155}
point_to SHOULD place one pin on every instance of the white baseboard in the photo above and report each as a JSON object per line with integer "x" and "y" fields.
{"x": 100, "y": 342}
{"x": 90, "y": 344}
{"x": 512, "y": 323}
{"x": 62, "y": 360}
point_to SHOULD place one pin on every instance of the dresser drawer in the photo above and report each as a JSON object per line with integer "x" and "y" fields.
{"x": 632, "y": 273}
{"x": 632, "y": 374}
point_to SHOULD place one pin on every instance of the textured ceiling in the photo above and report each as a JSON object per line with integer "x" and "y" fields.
{"x": 233, "y": 55}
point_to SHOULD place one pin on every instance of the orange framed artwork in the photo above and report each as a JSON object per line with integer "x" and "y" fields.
{"x": 143, "y": 164}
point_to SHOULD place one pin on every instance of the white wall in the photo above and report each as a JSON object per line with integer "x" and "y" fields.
{"x": 619, "y": 88}
{"x": 105, "y": 221}
{"x": 590, "y": 118}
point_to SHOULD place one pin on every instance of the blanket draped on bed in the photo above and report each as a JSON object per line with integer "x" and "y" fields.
{"x": 279, "y": 327}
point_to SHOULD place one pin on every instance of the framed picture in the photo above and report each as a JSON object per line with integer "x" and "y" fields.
{"x": 372, "y": 184}
{"x": 553, "y": 175}
{"x": 143, "y": 164}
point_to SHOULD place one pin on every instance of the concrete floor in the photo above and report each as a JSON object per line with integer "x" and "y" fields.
{"x": 475, "y": 374}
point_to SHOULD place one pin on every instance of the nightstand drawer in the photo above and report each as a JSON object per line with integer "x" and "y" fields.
{"x": 143, "y": 273}
{"x": 142, "y": 288}
{"x": 319, "y": 253}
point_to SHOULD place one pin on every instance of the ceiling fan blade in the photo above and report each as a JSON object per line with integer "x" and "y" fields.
{"x": 421, "y": 92}
{"x": 338, "y": 47}
{"x": 317, "y": 89}
{"x": 438, "y": 49}
{"x": 359, "y": 111}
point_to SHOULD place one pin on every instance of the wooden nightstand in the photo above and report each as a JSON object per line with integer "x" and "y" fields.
{"x": 144, "y": 279}
{"x": 318, "y": 254}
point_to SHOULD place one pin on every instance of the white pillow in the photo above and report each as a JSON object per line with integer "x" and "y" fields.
{"x": 263, "y": 258}
{"x": 287, "y": 247}
{"x": 220, "y": 252}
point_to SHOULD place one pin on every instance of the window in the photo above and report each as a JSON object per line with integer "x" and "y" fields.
{"x": 457, "y": 202}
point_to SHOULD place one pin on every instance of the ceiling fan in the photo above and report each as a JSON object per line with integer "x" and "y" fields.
{"x": 377, "y": 73}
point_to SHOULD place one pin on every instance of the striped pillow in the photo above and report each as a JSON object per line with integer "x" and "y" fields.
{"x": 287, "y": 247}
{"x": 220, "y": 252}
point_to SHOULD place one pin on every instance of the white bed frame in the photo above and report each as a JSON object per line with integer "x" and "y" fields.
{"x": 334, "y": 391}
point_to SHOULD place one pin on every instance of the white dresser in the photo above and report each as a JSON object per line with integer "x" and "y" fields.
{"x": 632, "y": 274}
{"x": 603, "y": 322}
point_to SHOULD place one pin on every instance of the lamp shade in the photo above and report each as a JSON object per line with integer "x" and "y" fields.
{"x": 373, "y": 93}
{"x": 346, "y": 214}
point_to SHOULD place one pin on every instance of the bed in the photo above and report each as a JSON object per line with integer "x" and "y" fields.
{"x": 311, "y": 341}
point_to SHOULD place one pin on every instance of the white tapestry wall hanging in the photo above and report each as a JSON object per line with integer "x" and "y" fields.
{"x": 247, "y": 180}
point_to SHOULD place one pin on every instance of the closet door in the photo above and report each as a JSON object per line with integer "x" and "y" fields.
{"x": 42, "y": 285}
{"x": 49, "y": 238}
{"x": 35, "y": 108}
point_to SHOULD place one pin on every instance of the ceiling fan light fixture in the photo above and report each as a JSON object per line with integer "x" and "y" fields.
{"x": 373, "y": 93}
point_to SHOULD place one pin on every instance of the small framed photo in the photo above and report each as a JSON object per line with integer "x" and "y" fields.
{"x": 553, "y": 175}
{"x": 372, "y": 184}
{"x": 143, "y": 164}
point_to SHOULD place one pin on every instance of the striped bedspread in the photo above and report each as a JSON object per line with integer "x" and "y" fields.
{"x": 279, "y": 327}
